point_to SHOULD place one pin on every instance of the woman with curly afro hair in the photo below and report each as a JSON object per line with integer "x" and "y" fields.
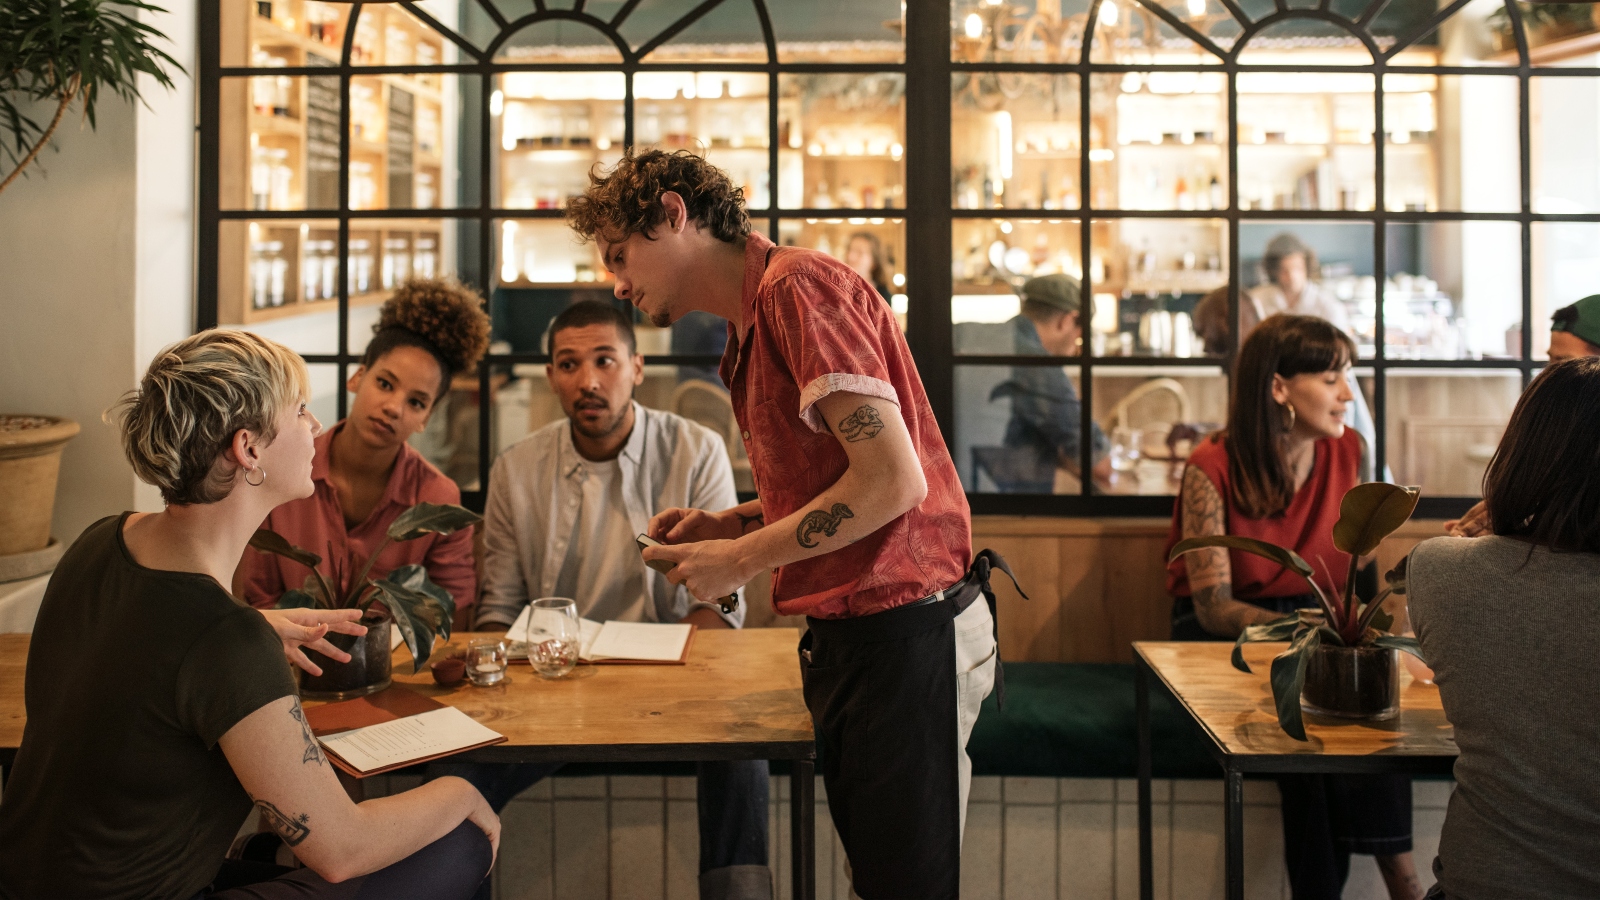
{"x": 365, "y": 473}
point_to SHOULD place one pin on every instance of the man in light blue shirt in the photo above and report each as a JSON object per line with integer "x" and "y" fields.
{"x": 563, "y": 509}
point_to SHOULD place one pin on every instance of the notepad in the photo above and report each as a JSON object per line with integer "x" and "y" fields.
{"x": 392, "y": 729}
{"x": 617, "y": 642}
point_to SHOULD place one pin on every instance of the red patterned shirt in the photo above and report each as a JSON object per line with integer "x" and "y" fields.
{"x": 813, "y": 327}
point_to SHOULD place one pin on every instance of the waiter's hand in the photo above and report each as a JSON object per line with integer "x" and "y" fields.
{"x": 299, "y": 628}
{"x": 683, "y": 526}
{"x": 709, "y": 569}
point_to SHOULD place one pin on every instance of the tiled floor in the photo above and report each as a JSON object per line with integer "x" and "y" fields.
{"x": 634, "y": 838}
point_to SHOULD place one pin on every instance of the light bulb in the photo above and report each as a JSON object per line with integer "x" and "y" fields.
{"x": 1108, "y": 12}
{"x": 1197, "y": 7}
{"x": 974, "y": 26}
{"x": 497, "y": 103}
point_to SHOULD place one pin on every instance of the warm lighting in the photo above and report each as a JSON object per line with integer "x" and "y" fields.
{"x": 895, "y": 150}
{"x": 1102, "y": 155}
{"x": 899, "y": 280}
{"x": 1005, "y": 227}
{"x": 508, "y": 251}
{"x": 1197, "y": 7}
{"x": 1131, "y": 83}
{"x": 1186, "y": 137}
{"x": 497, "y": 103}
{"x": 974, "y": 26}
{"x": 1108, "y": 12}
{"x": 1002, "y": 134}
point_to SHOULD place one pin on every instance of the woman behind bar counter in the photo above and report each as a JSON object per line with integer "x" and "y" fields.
{"x": 159, "y": 708}
{"x": 1278, "y": 474}
{"x": 365, "y": 474}
{"x": 1508, "y": 623}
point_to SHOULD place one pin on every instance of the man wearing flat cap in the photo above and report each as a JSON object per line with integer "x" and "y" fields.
{"x": 1045, "y": 413}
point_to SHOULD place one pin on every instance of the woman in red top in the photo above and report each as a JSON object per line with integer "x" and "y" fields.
{"x": 1278, "y": 474}
{"x": 365, "y": 473}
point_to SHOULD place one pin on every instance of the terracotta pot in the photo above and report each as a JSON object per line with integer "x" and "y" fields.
{"x": 1352, "y": 682}
{"x": 367, "y": 672}
{"x": 30, "y": 461}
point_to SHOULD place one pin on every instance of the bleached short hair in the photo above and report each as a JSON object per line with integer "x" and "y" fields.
{"x": 196, "y": 395}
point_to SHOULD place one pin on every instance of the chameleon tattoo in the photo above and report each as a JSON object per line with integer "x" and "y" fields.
{"x": 827, "y": 523}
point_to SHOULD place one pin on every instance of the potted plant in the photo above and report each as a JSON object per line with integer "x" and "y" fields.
{"x": 1341, "y": 661}
{"x": 405, "y": 597}
{"x": 61, "y": 51}
{"x": 30, "y": 461}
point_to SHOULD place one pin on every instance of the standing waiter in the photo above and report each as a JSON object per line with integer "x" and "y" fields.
{"x": 861, "y": 512}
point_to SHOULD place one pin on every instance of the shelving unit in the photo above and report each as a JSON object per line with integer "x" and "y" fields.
{"x": 279, "y": 138}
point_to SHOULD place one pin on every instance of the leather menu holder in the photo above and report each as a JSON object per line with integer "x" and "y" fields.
{"x": 387, "y": 705}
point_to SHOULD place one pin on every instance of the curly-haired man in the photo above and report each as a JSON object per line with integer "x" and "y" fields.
{"x": 861, "y": 512}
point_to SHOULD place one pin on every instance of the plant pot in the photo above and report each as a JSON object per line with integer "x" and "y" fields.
{"x": 367, "y": 672}
{"x": 1352, "y": 682}
{"x": 30, "y": 461}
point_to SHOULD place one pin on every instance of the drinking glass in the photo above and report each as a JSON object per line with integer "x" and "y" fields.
{"x": 486, "y": 662}
{"x": 553, "y": 636}
{"x": 1125, "y": 450}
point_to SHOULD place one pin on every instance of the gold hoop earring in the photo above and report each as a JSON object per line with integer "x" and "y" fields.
{"x": 1290, "y": 408}
{"x": 263, "y": 480}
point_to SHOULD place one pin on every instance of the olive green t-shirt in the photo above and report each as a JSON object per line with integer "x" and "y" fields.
{"x": 119, "y": 788}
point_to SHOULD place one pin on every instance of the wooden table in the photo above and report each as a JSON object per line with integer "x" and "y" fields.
{"x": 737, "y": 698}
{"x": 1235, "y": 714}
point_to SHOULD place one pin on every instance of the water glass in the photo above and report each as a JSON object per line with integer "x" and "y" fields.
{"x": 486, "y": 662}
{"x": 553, "y": 636}
{"x": 1125, "y": 450}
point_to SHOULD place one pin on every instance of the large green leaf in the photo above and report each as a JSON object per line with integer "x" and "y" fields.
{"x": 415, "y": 577}
{"x": 431, "y": 518}
{"x": 1289, "y": 677}
{"x": 417, "y": 614}
{"x": 273, "y": 542}
{"x": 1369, "y": 513}
{"x": 297, "y": 599}
{"x": 1286, "y": 558}
{"x": 1278, "y": 630}
{"x": 1403, "y": 644}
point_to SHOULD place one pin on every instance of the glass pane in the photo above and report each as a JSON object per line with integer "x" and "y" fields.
{"x": 1559, "y": 35}
{"x": 1476, "y": 35}
{"x": 1014, "y": 140}
{"x": 723, "y": 115}
{"x": 402, "y": 150}
{"x": 1471, "y": 164}
{"x": 1454, "y": 291}
{"x": 874, "y": 247}
{"x": 279, "y": 142}
{"x": 841, "y": 141}
{"x": 1443, "y": 426}
{"x": 1210, "y": 18}
{"x": 1152, "y": 417}
{"x": 1312, "y": 268}
{"x": 991, "y": 258}
{"x": 545, "y": 252}
{"x": 1159, "y": 141}
{"x": 1564, "y": 130}
{"x": 1128, "y": 33}
{"x": 384, "y": 254}
{"x": 1040, "y": 31}
{"x": 1305, "y": 141}
{"x": 839, "y": 31}
{"x": 1566, "y": 268}
{"x": 271, "y": 277}
{"x": 450, "y": 440}
{"x": 728, "y": 32}
{"x": 252, "y": 31}
{"x": 388, "y": 35}
{"x": 1149, "y": 277}
{"x": 1306, "y": 41}
{"x": 559, "y": 40}
{"x": 550, "y": 129}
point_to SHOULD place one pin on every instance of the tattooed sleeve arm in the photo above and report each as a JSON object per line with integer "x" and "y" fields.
{"x": 1210, "y": 573}
{"x": 298, "y": 795}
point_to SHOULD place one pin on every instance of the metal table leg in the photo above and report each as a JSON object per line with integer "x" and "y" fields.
{"x": 1141, "y": 702}
{"x": 803, "y": 828}
{"x": 1233, "y": 812}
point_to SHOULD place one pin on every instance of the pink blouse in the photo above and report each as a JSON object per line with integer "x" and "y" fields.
{"x": 317, "y": 522}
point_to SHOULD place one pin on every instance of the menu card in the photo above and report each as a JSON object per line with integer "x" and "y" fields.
{"x": 616, "y": 642}
{"x": 392, "y": 729}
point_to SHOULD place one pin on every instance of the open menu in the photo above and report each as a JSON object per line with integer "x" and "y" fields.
{"x": 392, "y": 729}
{"x": 616, "y": 642}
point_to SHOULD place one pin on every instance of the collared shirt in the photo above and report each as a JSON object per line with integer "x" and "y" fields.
{"x": 813, "y": 327}
{"x": 1315, "y": 300}
{"x": 317, "y": 523}
{"x": 536, "y": 494}
{"x": 1045, "y": 412}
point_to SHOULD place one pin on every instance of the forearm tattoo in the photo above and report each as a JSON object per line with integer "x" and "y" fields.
{"x": 1210, "y": 576}
{"x": 313, "y": 750}
{"x": 826, "y": 523}
{"x": 863, "y": 424}
{"x": 293, "y": 829}
{"x": 744, "y": 521}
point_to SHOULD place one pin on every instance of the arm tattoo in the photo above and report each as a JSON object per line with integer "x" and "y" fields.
{"x": 819, "y": 521}
{"x": 313, "y": 750}
{"x": 861, "y": 425}
{"x": 293, "y": 829}
{"x": 744, "y": 521}
{"x": 1203, "y": 515}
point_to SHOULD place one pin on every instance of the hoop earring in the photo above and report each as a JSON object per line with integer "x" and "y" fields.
{"x": 263, "y": 480}
{"x": 1290, "y": 408}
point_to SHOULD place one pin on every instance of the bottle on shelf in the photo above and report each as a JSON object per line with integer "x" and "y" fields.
{"x": 424, "y": 259}
{"x": 360, "y": 280}
{"x": 1219, "y": 198}
{"x": 822, "y": 199}
{"x": 1181, "y": 196}
{"x": 282, "y": 180}
{"x": 869, "y": 197}
{"x": 396, "y": 262}
{"x": 847, "y": 197}
{"x": 1069, "y": 196}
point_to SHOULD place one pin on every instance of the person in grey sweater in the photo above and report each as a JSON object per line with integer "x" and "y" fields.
{"x": 1508, "y": 623}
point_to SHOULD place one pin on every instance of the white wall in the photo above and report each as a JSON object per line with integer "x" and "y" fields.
{"x": 95, "y": 262}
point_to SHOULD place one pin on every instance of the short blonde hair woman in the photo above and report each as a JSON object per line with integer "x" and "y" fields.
{"x": 160, "y": 708}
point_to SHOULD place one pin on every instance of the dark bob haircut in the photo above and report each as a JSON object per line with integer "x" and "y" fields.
{"x": 1543, "y": 483}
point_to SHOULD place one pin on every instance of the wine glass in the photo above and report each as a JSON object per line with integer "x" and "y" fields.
{"x": 553, "y": 636}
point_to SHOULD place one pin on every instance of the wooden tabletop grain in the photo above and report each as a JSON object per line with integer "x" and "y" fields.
{"x": 738, "y": 697}
{"x": 1236, "y": 708}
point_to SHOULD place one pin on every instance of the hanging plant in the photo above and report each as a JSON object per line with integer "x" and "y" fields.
{"x": 65, "y": 52}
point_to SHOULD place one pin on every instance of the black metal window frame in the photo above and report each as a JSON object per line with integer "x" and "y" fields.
{"x": 928, "y": 213}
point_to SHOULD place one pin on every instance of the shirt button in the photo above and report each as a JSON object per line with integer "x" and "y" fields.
{"x": 747, "y": 435}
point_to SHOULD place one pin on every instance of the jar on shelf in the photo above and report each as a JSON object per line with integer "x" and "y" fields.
{"x": 260, "y": 275}
{"x": 311, "y": 272}
{"x": 425, "y": 192}
{"x": 396, "y": 262}
{"x": 260, "y": 178}
{"x": 363, "y": 186}
{"x": 425, "y": 257}
{"x": 396, "y": 46}
{"x": 361, "y": 265}
{"x": 282, "y": 180}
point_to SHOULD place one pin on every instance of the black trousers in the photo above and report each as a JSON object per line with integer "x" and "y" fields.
{"x": 450, "y": 868}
